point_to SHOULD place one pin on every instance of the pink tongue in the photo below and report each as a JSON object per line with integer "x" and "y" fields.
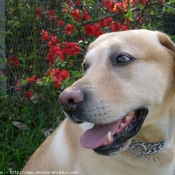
{"x": 95, "y": 137}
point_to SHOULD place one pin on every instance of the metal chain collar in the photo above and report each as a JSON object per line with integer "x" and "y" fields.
{"x": 139, "y": 149}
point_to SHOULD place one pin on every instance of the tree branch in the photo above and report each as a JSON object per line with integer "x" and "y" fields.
{"x": 148, "y": 4}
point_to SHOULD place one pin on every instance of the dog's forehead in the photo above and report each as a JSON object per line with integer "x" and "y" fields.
{"x": 128, "y": 41}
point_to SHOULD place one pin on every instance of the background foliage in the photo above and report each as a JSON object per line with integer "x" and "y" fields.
{"x": 45, "y": 45}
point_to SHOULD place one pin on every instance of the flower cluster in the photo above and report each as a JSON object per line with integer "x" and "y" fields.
{"x": 77, "y": 3}
{"x": 58, "y": 76}
{"x": 13, "y": 60}
{"x": 79, "y": 16}
{"x": 97, "y": 29}
{"x": 114, "y": 6}
{"x": 69, "y": 29}
{"x": 31, "y": 79}
{"x": 59, "y": 49}
{"x": 38, "y": 12}
{"x": 93, "y": 30}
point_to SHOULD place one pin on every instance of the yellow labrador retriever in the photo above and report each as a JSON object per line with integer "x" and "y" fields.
{"x": 124, "y": 107}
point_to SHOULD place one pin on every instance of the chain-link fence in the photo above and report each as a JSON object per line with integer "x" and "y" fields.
{"x": 22, "y": 35}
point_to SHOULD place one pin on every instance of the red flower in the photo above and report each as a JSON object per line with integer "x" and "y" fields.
{"x": 76, "y": 15}
{"x": 64, "y": 74}
{"x": 97, "y": 31}
{"x": 69, "y": 29}
{"x": 86, "y": 15}
{"x": 57, "y": 76}
{"x": 123, "y": 7}
{"x": 115, "y": 8}
{"x": 49, "y": 73}
{"x": 45, "y": 35}
{"x": 110, "y": 5}
{"x": 51, "y": 15}
{"x": 62, "y": 56}
{"x": 51, "y": 58}
{"x": 93, "y": 30}
{"x": 71, "y": 48}
{"x": 28, "y": 94}
{"x": 31, "y": 79}
{"x": 78, "y": 2}
{"x": 116, "y": 26}
{"x": 70, "y": 3}
{"x": 54, "y": 52}
{"x": 61, "y": 23}
{"x": 13, "y": 60}
{"x": 143, "y": 2}
{"x": 16, "y": 61}
{"x": 57, "y": 81}
{"x": 106, "y": 22}
{"x": 89, "y": 29}
{"x": 57, "y": 84}
{"x": 124, "y": 28}
{"x": 54, "y": 39}
{"x": 38, "y": 12}
{"x": 4, "y": 71}
{"x": 56, "y": 71}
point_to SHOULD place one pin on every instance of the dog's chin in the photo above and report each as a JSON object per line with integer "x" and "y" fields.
{"x": 109, "y": 139}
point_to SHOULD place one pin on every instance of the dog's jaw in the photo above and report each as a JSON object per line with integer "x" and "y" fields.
{"x": 111, "y": 138}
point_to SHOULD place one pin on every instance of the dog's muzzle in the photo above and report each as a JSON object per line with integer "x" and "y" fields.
{"x": 107, "y": 139}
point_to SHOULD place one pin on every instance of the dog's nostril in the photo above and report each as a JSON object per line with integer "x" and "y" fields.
{"x": 71, "y": 102}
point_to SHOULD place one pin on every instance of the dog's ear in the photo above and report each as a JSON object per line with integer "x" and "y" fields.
{"x": 166, "y": 42}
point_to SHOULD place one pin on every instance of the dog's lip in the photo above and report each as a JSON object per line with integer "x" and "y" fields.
{"x": 119, "y": 140}
{"x": 105, "y": 139}
{"x": 102, "y": 135}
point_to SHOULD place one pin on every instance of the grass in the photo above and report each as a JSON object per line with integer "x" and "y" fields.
{"x": 16, "y": 146}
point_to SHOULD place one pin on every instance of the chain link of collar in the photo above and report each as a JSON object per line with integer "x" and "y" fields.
{"x": 145, "y": 148}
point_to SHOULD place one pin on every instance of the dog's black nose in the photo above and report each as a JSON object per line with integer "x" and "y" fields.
{"x": 70, "y": 98}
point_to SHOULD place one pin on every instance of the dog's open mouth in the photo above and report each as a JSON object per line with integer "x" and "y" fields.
{"x": 109, "y": 139}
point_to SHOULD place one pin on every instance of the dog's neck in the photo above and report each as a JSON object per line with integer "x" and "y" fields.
{"x": 140, "y": 149}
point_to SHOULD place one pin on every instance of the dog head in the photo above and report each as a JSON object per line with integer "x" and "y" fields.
{"x": 127, "y": 78}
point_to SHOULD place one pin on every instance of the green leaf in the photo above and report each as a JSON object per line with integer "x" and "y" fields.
{"x": 171, "y": 1}
{"x": 129, "y": 15}
{"x": 3, "y": 78}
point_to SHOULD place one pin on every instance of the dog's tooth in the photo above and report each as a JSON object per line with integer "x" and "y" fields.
{"x": 109, "y": 136}
{"x": 127, "y": 118}
{"x": 105, "y": 143}
{"x": 122, "y": 125}
{"x": 126, "y": 129}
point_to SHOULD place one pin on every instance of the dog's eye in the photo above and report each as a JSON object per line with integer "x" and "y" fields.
{"x": 122, "y": 60}
{"x": 85, "y": 66}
